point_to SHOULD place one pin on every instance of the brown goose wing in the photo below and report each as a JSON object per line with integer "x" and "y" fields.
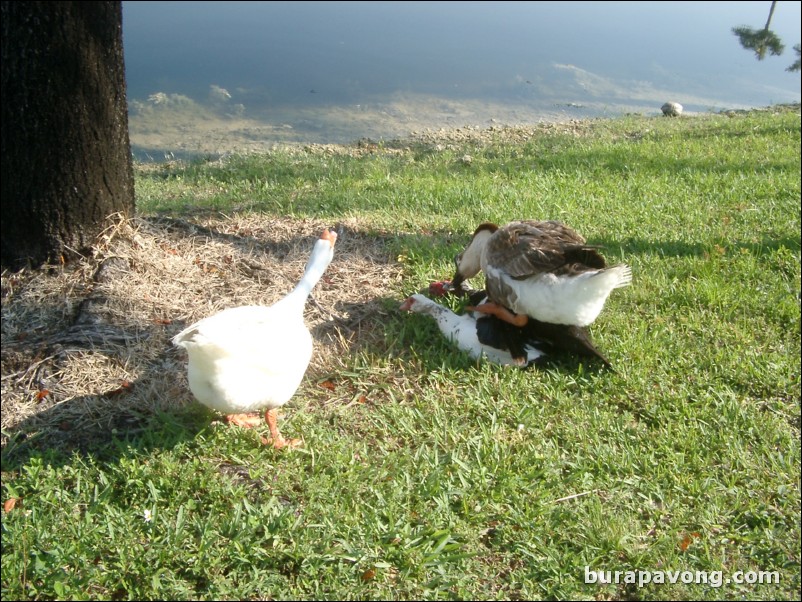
{"x": 526, "y": 248}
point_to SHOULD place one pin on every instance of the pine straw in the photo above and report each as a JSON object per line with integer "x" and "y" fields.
{"x": 86, "y": 347}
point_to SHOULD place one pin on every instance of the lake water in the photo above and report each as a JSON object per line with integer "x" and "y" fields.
{"x": 213, "y": 76}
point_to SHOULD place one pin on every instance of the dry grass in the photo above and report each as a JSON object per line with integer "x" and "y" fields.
{"x": 86, "y": 347}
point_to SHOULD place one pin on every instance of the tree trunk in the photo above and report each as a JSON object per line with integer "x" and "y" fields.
{"x": 771, "y": 14}
{"x": 66, "y": 158}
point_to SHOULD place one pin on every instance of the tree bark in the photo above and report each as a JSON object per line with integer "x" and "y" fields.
{"x": 66, "y": 158}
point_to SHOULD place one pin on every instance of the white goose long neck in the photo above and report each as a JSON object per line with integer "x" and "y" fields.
{"x": 315, "y": 268}
{"x": 474, "y": 257}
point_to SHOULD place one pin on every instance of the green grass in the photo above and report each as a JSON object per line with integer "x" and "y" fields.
{"x": 452, "y": 480}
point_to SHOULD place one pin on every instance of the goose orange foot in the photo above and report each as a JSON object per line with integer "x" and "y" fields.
{"x": 249, "y": 421}
{"x": 501, "y": 312}
{"x": 276, "y": 440}
{"x": 282, "y": 442}
{"x": 246, "y": 421}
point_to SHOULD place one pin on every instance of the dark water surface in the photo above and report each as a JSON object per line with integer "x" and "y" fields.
{"x": 261, "y": 72}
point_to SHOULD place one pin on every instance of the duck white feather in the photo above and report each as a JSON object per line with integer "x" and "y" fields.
{"x": 461, "y": 331}
{"x": 543, "y": 270}
{"x": 575, "y": 299}
{"x": 250, "y": 358}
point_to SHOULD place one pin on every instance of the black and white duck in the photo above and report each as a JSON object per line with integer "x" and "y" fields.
{"x": 463, "y": 331}
{"x": 554, "y": 340}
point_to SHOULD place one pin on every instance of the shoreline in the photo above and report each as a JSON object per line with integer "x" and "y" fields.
{"x": 179, "y": 128}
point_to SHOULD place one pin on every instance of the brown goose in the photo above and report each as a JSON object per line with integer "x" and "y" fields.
{"x": 539, "y": 269}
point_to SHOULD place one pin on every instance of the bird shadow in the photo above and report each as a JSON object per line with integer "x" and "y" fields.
{"x": 43, "y": 416}
{"x": 68, "y": 349}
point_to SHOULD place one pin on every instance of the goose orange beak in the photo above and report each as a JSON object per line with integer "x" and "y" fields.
{"x": 329, "y": 235}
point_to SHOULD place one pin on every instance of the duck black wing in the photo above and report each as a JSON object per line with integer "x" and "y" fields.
{"x": 565, "y": 338}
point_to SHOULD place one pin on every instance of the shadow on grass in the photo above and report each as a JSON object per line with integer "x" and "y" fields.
{"x": 67, "y": 347}
{"x": 123, "y": 433}
{"x": 145, "y": 414}
{"x": 674, "y": 248}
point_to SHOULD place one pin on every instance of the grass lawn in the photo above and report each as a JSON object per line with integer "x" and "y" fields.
{"x": 424, "y": 474}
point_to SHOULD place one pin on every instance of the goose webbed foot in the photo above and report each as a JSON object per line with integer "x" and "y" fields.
{"x": 501, "y": 312}
{"x": 281, "y": 443}
{"x": 246, "y": 421}
{"x": 276, "y": 440}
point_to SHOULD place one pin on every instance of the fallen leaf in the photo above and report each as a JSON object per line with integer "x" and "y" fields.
{"x": 41, "y": 394}
{"x": 124, "y": 387}
{"x": 327, "y": 384}
{"x": 9, "y": 504}
{"x": 369, "y": 575}
{"x": 687, "y": 539}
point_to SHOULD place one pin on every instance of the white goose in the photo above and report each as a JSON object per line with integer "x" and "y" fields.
{"x": 463, "y": 332}
{"x": 250, "y": 358}
{"x": 542, "y": 270}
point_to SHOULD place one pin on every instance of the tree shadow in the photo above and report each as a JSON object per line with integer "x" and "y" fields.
{"x": 631, "y": 246}
{"x": 69, "y": 346}
{"x": 356, "y": 310}
{"x": 60, "y": 433}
